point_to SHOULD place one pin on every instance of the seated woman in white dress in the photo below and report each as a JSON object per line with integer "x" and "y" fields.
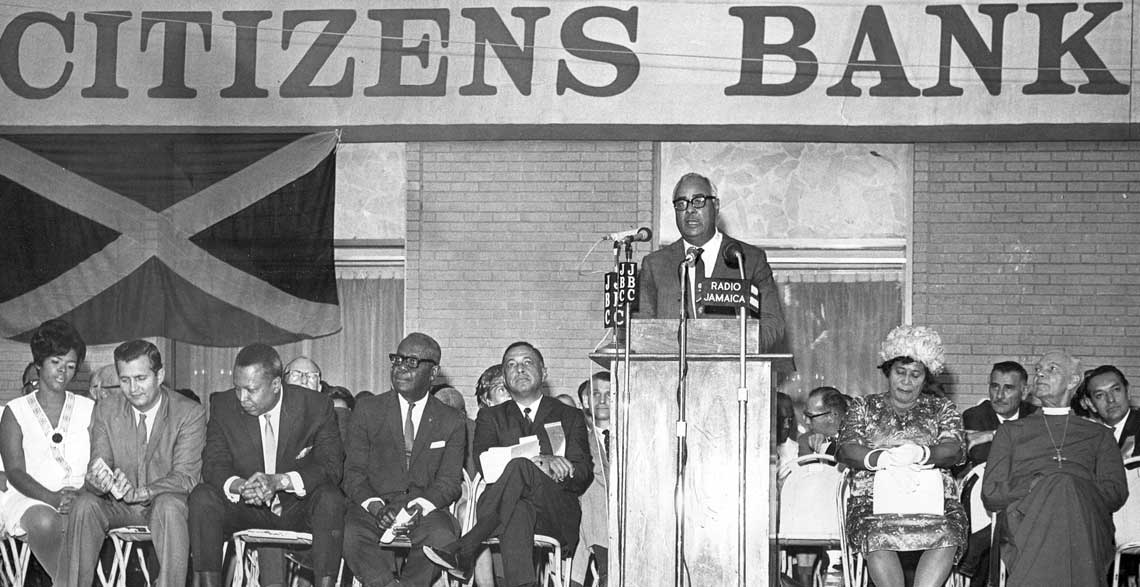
{"x": 45, "y": 445}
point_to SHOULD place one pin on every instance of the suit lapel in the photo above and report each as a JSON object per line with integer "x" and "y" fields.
{"x": 545, "y": 406}
{"x": 162, "y": 420}
{"x": 289, "y": 427}
{"x": 395, "y": 421}
{"x": 424, "y": 431}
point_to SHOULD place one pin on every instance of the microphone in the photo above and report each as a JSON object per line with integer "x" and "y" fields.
{"x": 734, "y": 257}
{"x": 637, "y": 235}
{"x": 690, "y": 258}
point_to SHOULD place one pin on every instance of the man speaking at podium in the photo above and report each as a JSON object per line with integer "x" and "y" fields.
{"x": 695, "y": 206}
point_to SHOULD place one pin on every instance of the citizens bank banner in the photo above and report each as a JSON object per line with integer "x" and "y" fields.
{"x": 668, "y": 70}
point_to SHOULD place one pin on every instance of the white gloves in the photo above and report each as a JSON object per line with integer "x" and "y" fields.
{"x": 906, "y": 455}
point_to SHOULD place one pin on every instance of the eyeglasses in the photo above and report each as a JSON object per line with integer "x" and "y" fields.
{"x": 811, "y": 417}
{"x": 698, "y": 201}
{"x": 409, "y": 362}
{"x": 299, "y": 376}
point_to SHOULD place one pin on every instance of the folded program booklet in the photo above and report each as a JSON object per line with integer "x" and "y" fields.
{"x": 495, "y": 459}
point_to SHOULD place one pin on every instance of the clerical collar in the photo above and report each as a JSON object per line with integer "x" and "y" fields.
{"x": 1055, "y": 411}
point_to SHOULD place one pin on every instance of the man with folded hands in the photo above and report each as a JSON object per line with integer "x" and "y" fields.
{"x": 273, "y": 460}
{"x": 405, "y": 448}
{"x": 537, "y": 495}
{"x": 146, "y": 457}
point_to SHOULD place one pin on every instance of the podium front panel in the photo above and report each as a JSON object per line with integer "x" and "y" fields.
{"x": 648, "y": 431}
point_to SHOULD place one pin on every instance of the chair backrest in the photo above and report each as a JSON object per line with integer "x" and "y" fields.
{"x": 970, "y": 495}
{"x": 808, "y": 507}
{"x": 1127, "y": 518}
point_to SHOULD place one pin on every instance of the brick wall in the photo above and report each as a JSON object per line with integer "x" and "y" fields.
{"x": 1023, "y": 247}
{"x": 496, "y": 233}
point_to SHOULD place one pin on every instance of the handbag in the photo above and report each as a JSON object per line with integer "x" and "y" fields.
{"x": 909, "y": 491}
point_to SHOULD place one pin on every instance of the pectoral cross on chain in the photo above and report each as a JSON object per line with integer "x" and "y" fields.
{"x": 1059, "y": 458}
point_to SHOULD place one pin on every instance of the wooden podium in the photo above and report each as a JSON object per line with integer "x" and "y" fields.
{"x": 644, "y": 472}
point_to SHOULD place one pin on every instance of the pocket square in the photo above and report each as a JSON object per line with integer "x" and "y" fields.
{"x": 437, "y": 444}
{"x": 304, "y": 452}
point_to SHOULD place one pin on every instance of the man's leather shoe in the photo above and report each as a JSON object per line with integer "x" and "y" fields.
{"x": 453, "y": 562}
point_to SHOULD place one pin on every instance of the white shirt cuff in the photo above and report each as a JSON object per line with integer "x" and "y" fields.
{"x": 364, "y": 504}
{"x": 233, "y": 497}
{"x": 297, "y": 484}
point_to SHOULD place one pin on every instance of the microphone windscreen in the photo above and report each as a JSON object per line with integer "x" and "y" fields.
{"x": 733, "y": 255}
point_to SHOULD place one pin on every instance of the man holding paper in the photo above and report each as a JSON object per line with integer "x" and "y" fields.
{"x": 404, "y": 448}
{"x": 533, "y": 494}
{"x": 146, "y": 457}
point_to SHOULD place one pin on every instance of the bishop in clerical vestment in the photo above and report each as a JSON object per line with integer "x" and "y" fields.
{"x": 1057, "y": 478}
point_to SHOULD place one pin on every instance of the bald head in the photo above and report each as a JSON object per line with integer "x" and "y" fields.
{"x": 104, "y": 382}
{"x": 305, "y": 372}
{"x": 452, "y": 399}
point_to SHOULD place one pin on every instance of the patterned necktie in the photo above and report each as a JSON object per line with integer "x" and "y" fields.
{"x": 409, "y": 434}
{"x": 698, "y": 273}
{"x": 529, "y": 420}
{"x": 140, "y": 445}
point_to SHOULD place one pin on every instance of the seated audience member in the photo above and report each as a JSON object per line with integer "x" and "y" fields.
{"x": 787, "y": 446}
{"x": 824, "y": 411}
{"x": 45, "y": 447}
{"x": 898, "y": 435}
{"x": 30, "y": 381}
{"x": 291, "y": 483}
{"x": 594, "y": 531}
{"x": 452, "y": 398}
{"x": 343, "y": 404}
{"x": 1006, "y": 403}
{"x": 531, "y": 495}
{"x": 1104, "y": 394}
{"x": 404, "y": 447}
{"x": 147, "y": 419}
{"x": 304, "y": 372}
{"x": 1056, "y": 479}
{"x": 490, "y": 390}
{"x": 104, "y": 383}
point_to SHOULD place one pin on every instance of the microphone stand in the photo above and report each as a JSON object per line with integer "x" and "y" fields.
{"x": 621, "y": 415}
{"x": 682, "y": 440}
{"x": 742, "y": 435}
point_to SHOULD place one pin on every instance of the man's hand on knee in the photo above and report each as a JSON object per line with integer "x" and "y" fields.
{"x": 557, "y": 468}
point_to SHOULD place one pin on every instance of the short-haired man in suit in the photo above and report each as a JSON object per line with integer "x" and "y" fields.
{"x": 1104, "y": 393}
{"x": 403, "y": 447}
{"x": 151, "y": 441}
{"x": 696, "y": 206}
{"x": 273, "y": 459}
{"x": 824, "y": 411}
{"x": 538, "y": 495}
{"x": 1007, "y": 390}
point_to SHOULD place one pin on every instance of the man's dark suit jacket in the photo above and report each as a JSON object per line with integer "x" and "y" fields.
{"x": 308, "y": 441}
{"x": 983, "y": 418}
{"x": 375, "y": 463}
{"x": 1131, "y": 429}
{"x": 659, "y": 292}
